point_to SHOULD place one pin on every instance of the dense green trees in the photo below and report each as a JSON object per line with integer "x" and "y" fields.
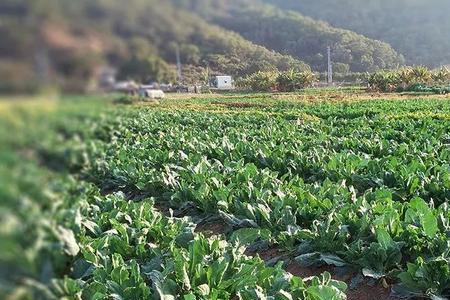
{"x": 418, "y": 29}
{"x": 293, "y": 34}
{"x": 67, "y": 42}
{"x": 299, "y": 36}
{"x": 147, "y": 69}
{"x": 139, "y": 37}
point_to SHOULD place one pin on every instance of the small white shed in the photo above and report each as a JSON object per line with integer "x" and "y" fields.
{"x": 223, "y": 82}
{"x": 151, "y": 94}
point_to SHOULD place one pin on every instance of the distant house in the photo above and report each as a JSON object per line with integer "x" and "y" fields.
{"x": 222, "y": 82}
{"x": 150, "y": 93}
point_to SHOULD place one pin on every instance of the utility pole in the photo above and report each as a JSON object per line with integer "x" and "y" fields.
{"x": 179, "y": 75}
{"x": 42, "y": 65}
{"x": 207, "y": 79}
{"x": 330, "y": 66}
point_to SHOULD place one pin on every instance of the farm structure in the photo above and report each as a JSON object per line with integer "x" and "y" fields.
{"x": 222, "y": 82}
{"x": 151, "y": 93}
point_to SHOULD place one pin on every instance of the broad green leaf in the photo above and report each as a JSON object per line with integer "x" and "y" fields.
{"x": 384, "y": 238}
{"x": 190, "y": 297}
{"x": 429, "y": 223}
{"x": 309, "y": 259}
{"x": 332, "y": 260}
{"x": 322, "y": 292}
{"x": 67, "y": 237}
{"x": 246, "y": 236}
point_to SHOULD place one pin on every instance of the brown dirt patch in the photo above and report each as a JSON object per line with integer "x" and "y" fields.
{"x": 214, "y": 228}
{"x": 162, "y": 208}
{"x": 266, "y": 254}
{"x": 303, "y": 272}
{"x": 337, "y": 97}
{"x": 367, "y": 292}
{"x": 239, "y": 104}
{"x": 60, "y": 37}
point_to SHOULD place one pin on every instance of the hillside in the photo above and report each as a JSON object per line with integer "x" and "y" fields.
{"x": 291, "y": 33}
{"x": 70, "y": 41}
{"x": 294, "y": 34}
{"x": 417, "y": 29}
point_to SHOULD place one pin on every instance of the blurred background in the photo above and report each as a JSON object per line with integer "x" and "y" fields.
{"x": 78, "y": 46}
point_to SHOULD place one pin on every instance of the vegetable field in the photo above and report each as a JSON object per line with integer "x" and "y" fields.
{"x": 225, "y": 198}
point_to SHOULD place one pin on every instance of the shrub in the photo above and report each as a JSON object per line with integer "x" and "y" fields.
{"x": 403, "y": 78}
{"x": 384, "y": 81}
{"x": 260, "y": 81}
{"x": 441, "y": 76}
{"x": 292, "y": 80}
{"x": 287, "y": 81}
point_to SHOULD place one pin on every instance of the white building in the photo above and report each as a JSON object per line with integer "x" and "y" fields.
{"x": 222, "y": 82}
{"x": 151, "y": 94}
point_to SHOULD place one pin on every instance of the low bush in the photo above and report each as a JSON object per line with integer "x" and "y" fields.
{"x": 259, "y": 81}
{"x": 292, "y": 80}
{"x": 404, "y": 78}
{"x": 287, "y": 81}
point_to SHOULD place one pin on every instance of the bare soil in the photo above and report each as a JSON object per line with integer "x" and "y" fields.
{"x": 365, "y": 290}
{"x": 210, "y": 229}
{"x": 266, "y": 254}
{"x": 239, "y": 104}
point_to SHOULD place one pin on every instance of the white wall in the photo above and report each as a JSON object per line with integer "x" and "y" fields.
{"x": 224, "y": 82}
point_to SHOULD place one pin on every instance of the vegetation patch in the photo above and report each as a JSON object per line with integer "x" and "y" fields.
{"x": 150, "y": 202}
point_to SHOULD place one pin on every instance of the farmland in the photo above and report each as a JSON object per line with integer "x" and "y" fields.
{"x": 317, "y": 195}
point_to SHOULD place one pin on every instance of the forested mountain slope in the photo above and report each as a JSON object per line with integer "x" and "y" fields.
{"x": 418, "y": 29}
{"x": 68, "y": 41}
{"x": 291, "y": 33}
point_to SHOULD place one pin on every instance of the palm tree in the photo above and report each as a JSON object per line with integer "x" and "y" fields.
{"x": 421, "y": 75}
{"x": 441, "y": 76}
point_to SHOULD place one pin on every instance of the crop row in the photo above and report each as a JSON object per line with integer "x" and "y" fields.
{"x": 64, "y": 239}
{"x": 370, "y": 188}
